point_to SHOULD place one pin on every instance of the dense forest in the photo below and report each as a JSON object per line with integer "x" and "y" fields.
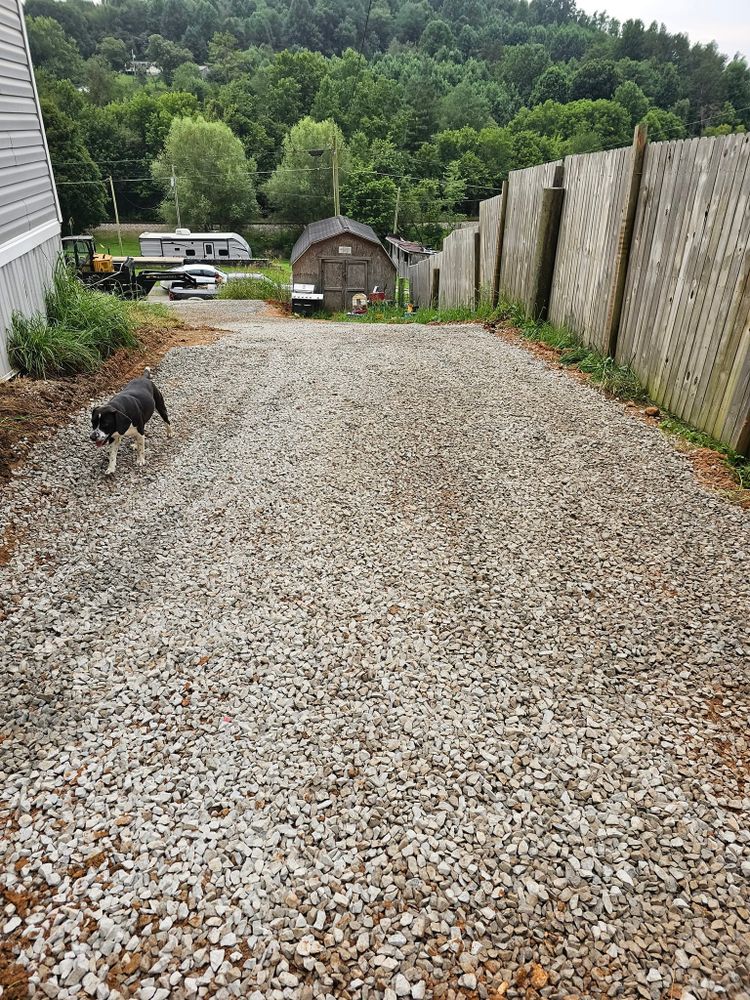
{"x": 239, "y": 104}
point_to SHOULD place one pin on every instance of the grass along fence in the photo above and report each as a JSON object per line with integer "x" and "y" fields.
{"x": 643, "y": 253}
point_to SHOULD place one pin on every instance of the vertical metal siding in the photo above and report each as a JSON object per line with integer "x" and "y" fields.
{"x": 22, "y": 285}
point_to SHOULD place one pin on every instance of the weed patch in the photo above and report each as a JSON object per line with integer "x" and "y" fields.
{"x": 79, "y": 329}
{"x": 267, "y": 289}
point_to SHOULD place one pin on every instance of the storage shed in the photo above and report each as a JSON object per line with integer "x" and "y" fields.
{"x": 341, "y": 257}
{"x": 29, "y": 212}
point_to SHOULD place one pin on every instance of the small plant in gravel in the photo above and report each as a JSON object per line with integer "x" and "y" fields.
{"x": 77, "y": 331}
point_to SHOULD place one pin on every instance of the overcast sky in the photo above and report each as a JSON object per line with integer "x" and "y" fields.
{"x": 727, "y": 22}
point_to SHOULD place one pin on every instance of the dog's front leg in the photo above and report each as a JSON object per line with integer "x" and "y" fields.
{"x": 140, "y": 444}
{"x": 113, "y": 448}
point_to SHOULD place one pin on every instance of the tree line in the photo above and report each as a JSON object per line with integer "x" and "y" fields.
{"x": 240, "y": 105}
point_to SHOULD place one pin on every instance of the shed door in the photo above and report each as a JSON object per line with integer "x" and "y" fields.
{"x": 356, "y": 278}
{"x": 333, "y": 277}
{"x": 342, "y": 279}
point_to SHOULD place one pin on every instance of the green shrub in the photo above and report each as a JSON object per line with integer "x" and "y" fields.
{"x": 80, "y": 328}
{"x": 38, "y": 349}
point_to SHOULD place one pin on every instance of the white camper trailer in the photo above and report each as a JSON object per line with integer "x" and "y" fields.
{"x": 195, "y": 246}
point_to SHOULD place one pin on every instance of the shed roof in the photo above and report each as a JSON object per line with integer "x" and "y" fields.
{"x": 409, "y": 246}
{"x": 337, "y": 225}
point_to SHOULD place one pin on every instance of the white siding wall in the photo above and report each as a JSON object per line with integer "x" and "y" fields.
{"x": 22, "y": 285}
{"x": 29, "y": 213}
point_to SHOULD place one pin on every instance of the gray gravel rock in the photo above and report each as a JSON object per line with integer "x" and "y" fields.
{"x": 409, "y": 667}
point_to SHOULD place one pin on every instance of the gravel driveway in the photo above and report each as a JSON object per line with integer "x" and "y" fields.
{"x": 410, "y": 667}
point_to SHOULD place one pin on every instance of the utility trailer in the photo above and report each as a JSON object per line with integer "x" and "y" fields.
{"x": 98, "y": 271}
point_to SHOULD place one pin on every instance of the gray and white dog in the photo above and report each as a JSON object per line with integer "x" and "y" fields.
{"x": 126, "y": 415}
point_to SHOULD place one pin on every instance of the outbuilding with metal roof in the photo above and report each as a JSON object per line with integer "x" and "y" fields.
{"x": 342, "y": 258}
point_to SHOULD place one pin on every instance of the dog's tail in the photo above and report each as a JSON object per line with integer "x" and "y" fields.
{"x": 147, "y": 373}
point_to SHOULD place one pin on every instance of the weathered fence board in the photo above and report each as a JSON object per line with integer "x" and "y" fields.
{"x": 420, "y": 281}
{"x": 685, "y": 315}
{"x": 458, "y": 281}
{"x": 597, "y": 187}
{"x": 525, "y": 189}
{"x": 490, "y": 221}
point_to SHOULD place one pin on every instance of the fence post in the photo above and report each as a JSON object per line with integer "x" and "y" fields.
{"x": 477, "y": 267}
{"x": 499, "y": 247}
{"x": 625, "y": 239}
{"x": 435, "y": 288}
{"x": 543, "y": 266}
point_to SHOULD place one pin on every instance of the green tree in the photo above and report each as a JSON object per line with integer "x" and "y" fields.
{"x": 522, "y": 66}
{"x": 215, "y": 180}
{"x": 437, "y": 35}
{"x": 632, "y": 98}
{"x": 465, "y": 104}
{"x": 189, "y": 79}
{"x": 663, "y": 125}
{"x": 114, "y": 52}
{"x": 369, "y": 198}
{"x": 101, "y": 82}
{"x": 166, "y": 55}
{"x": 737, "y": 87}
{"x": 53, "y": 51}
{"x": 80, "y": 187}
{"x": 595, "y": 80}
{"x": 301, "y": 188}
{"x": 552, "y": 85}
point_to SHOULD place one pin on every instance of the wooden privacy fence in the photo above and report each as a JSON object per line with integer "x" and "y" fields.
{"x": 458, "y": 269}
{"x": 491, "y": 231}
{"x": 420, "y": 281}
{"x": 595, "y": 226}
{"x": 518, "y": 274}
{"x": 642, "y": 252}
{"x": 686, "y": 315}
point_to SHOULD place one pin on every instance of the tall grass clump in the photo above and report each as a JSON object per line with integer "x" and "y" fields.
{"x": 267, "y": 288}
{"x": 78, "y": 330}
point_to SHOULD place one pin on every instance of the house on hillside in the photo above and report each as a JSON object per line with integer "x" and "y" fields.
{"x": 404, "y": 253}
{"x": 29, "y": 210}
{"x": 341, "y": 257}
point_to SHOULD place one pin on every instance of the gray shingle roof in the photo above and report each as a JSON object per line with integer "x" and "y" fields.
{"x": 335, "y": 226}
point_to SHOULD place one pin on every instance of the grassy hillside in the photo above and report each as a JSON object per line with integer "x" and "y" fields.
{"x": 428, "y": 105}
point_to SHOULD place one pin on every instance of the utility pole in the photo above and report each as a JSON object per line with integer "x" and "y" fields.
{"x": 395, "y": 214}
{"x": 335, "y": 165}
{"x": 176, "y": 199}
{"x": 117, "y": 214}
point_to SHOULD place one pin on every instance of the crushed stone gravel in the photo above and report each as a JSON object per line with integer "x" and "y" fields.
{"x": 409, "y": 668}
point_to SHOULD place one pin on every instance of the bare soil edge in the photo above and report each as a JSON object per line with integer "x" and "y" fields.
{"x": 33, "y": 410}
